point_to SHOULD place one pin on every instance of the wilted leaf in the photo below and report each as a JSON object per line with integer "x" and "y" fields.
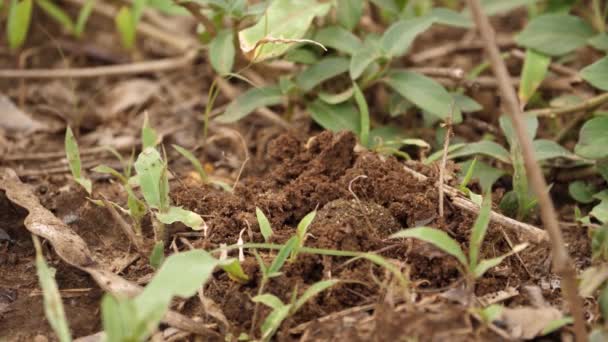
{"x": 249, "y": 101}
{"x": 338, "y": 38}
{"x": 132, "y": 93}
{"x": 534, "y": 71}
{"x": 593, "y": 139}
{"x": 14, "y": 120}
{"x": 424, "y": 92}
{"x": 597, "y": 74}
{"x": 221, "y": 51}
{"x": 555, "y": 34}
{"x": 284, "y": 20}
{"x": 321, "y": 71}
{"x": 336, "y": 118}
{"x": 437, "y": 238}
{"x": 177, "y": 214}
{"x": 528, "y": 322}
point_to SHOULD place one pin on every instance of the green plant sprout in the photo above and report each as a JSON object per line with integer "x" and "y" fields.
{"x": 53, "y": 307}
{"x": 73, "y": 156}
{"x": 18, "y": 23}
{"x": 472, "y": 266}
{"x": 126, "y": 22}
{"x": 75, "y": 28}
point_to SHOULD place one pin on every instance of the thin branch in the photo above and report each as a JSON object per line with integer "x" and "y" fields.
{"x": 444, "y": 159}
{"x": 586, "y": 105}
{"x": 195, "y": 10}
{"x": 451, "y": 47}
{"x": 562, "y": 263}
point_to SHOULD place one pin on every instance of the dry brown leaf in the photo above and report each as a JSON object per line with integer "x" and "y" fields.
{"x": 528, "y": 322}
{"x": 127, "y": 94}
{"x": 14, "y": 120}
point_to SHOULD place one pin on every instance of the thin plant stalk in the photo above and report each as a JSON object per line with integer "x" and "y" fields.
{"x": 562, "y": 264}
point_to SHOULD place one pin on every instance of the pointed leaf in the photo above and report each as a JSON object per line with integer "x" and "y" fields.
{"x": 249, "y": 101}
{"x": 437, "y": 238}
{"x": 479, "y": 230}
{"x": 18, "y": 22}
{"x": 596, "y": 74}
{"x": 485, "y": 265}
{"x": 177, "y": 214}
{"x": 194, "y": 161}
{"x": 312, "y": 291}
{"x": 281, "y": 257}
{"x": 335, "y": 118}
{"x": 338, "y": 38}
{"x": 593, "y": 139}
{"x": 150, "y": 167}
{"x": 234, "y": 270}
{"x": 363, "y": 115}
{"x": 397, "y": 39}
{"x": 321, "y": 71}
{"x": 264, "y": 224}
{"x": 555, "y": 34}
{"x": 348, "y": 13}
{"x": 222, "y": 52}
{"x": 534, "y": 71}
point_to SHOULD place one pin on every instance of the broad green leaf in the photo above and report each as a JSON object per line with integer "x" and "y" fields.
{"x": 53, "y": 307}
{"x": 582, "y": 191}
{"x": 149, "y": 137}
{"x": 222, "y": 52}
{"x": 150, "y": 167}
{"x": 361, "y": 59}
{"x": 549, "y": 149}
{"x": 450, "y": 17}
{"x": 387, "y": 5}
{"x": 158, "y": 255}
{"x": 273, "y": 321}
{"x": 194, "y": 161}
{"x": 249, "y": 101}
{"x": 177, "y": 214}
{"x": 363, "y": 115}
{"x": 534, "y": 71}
{"x": 424, "y": 92}
{"x": 336, "y": 98}
{"x": 55, "y": 12}
{"x": 555, "y": 34}
{"x": 530, "y": 123}
{"x": 480, "y": 228}
{"x": 485, "y": 147}
{"x": 279, "y": 260}
{"x": 269, "y": 300}
{"x": 119, "y": 318}
{"x": 338, "y": 38}
{"x": 348, "y": 13}
{"x": 335, "y": 118}
{"x": 397, "y": 39}
{"x": 596, "y": 74}
{"x": 264, "y": 224}
{"x": 599, "y": 41}
{"x": 321, "y": 71}
{"x": 73, "y": 156}
{"x": 302, "y": 55}
{"x": 492, "y": 7}
{"x": 233, "y": 268}
{"x": 83, "y": 17}
{"x": 556, "y": 324}
{"x": 180, "y": 275}
{"x": 484, "y": 173}
{"x": 485, "y": 265}
{"x": 285, "y": 22}
{"x": 312, "y": 291}
{"x": 465, "y": 103}
{"x": 600, "y": 211}
{"x": 603, "y": 301}
{"x": 126, "y": 27}
{"x": 490, "y": 313}
{"x": 437, "y": 238}
{"x": 592, "y": 140}
{"x": 18, "y": 22}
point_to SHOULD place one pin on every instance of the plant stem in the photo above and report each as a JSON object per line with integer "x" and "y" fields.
{"x": 254, "y": 318}
{"x": 562, "y": 263}
{"x": 583, "y": 106}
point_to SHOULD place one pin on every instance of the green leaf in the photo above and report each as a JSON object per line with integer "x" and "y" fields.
{"x": 335, "y": 118}
{"x": 363, "y": 115}
{"x": 301, "y": 55}
{"x": 592, "y": 140}
{"x": 222, "y": 52}
{"x": 336, "y": 98}
{"x": 599, "y": 41}
{"x": 126, "y": 27}
{"x": 486, "y": 174}
{"x": 492, "y": 7}
{"x": 119, "y": 319}
{"x": 600, "y": 211}
{"x": 303, "y": 226}
{"x": 485, "y": 265}
{"x": 194, "y": 161}
{"x": 556, "y": 324}
{"x": 479, "y": 230}
{"x": 530, "y": 124}
{"x": 312, "y": 291}
{"x": 338, "y": 38}
{"x": 273, "y": 321}
{"x": 287, "y": 20}
{"x": 321, "y": 71}
{"x": 106, "y": 169}
{"x": 555, "y": 34}
{"x": 596, "y": 74}
{"x": 58, "y": 14}
{"x": 269, "y": 300}
{"x": 83, "y": 17}
{"x": 485, "y": 147}
{"x": 424, "y": 92}
{"x": 491, "y": 312}
{"x": 150, "y": 167}
{"x": 437, "y": 238}
{"x": 281, "y": 257}
{"x": 249, "y": 101}
{"x": 158, "y": 255}
{"x": 234, "y": 270}
{"x": 397, "y": 39}
{"x": 534, "y": 71}
{"x": 264, "y": 224}
{"x": 177, "y": 214}
{"x": 549, "y": 149}
{"x": 603, "y": 301}
{"x": 387, "y": 5}
{"x": 450, "y": 17}
{"x": 149, "y": 137}
{"x": 53, "y": 307}
{"x": 73, "y": 156}
{"x": 361, "y": 59}
{"x": 582, "y": 191}
{"x": 348, "y": 13}
{"x": 18, "y": 23}
{"x": 465, "y": 103}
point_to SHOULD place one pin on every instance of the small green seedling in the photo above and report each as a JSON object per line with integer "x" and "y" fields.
{"x": 126, "y": 22}
{"x": 473, "y": 267}
{"x": 264, "y": 224}
{"x": 194, "y": 161}
{"x": 75, "y": 28}
{"x": 301, "y": 233}
{"x": 73, "y": 156}
{"x": 281, "y": 311}
{"x": 18, "y": 23}
{"x": 53, "y": 307}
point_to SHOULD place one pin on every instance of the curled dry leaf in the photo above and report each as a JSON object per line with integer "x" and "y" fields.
{"x": 127, "y": 94}
{"x": 14, "y": 120}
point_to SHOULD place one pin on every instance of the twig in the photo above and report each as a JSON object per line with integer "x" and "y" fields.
{"x": 557, "y": 67}
{"x": 448, "y": 48}
{"x": 562, "y": 263}
{"x": 525, "y": 231}
{"x": 488, "y": 82}
{"x": 452, "y": 73}
{"x": 444, "y": 159}
{"x": 111, "y": 70}
{"x": 586, "y": 105}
